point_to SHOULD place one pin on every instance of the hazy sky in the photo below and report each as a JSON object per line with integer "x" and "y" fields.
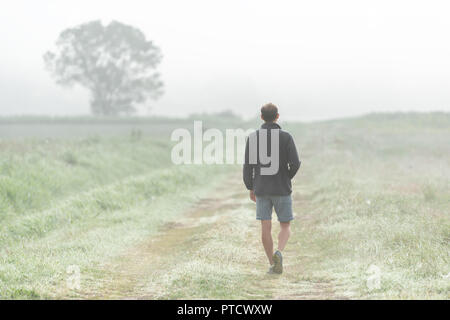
{"x": 315, "y": 59}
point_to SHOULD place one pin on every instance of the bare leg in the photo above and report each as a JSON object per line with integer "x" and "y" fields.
{"x": 266, "y": 237}
{"x": 283, "y": 236}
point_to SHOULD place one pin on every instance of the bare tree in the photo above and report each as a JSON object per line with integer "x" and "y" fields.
{"x": 115, "y": 62}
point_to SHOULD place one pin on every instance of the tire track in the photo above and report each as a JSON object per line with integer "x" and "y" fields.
{"x": 214, "y": 247}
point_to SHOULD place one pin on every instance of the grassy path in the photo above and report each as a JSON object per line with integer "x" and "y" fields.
{"x": 213, "y": 251}
{"x": 372, "y": 194}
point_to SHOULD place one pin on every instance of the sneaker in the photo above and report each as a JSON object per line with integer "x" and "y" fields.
{"x": 270, "y": 270}
{"x": 278, "y": 262}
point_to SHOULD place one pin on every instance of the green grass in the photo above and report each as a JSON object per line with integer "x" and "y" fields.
{"x": 373, "y": 190}
{"x": 38, "y": 172}
{"x": 80, "y": 201}
{"x": 379, "y": 191}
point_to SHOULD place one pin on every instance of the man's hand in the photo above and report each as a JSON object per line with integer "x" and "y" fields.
{"x": 252, "y": 196}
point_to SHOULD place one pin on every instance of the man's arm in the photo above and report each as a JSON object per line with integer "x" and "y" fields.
{"x": 248, "y": 169}
{"x": 292, "y": 158}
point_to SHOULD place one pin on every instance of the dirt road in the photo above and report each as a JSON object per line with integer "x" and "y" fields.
{"x": 214, "y": 251}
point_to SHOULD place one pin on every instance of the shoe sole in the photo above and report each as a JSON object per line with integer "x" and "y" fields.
{"x": 278, "y": 263}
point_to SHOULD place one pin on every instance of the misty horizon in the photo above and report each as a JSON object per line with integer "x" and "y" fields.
{"x": 316, "y": 61}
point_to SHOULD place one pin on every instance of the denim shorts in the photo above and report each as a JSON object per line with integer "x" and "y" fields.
{"x": 282, "y": 205}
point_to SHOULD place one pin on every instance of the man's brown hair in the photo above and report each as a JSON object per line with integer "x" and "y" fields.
{"x": 269, "y": 112}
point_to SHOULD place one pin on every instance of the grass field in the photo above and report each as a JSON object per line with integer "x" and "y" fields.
{"x": 373, "y": 193}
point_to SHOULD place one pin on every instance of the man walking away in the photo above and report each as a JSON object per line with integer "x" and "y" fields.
{"x": 269, "y": 187}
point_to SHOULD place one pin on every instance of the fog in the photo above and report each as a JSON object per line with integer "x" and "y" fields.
{"x": 314, "y": 59}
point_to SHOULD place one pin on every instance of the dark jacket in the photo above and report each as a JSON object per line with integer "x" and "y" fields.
{"x": 289, "y": 163}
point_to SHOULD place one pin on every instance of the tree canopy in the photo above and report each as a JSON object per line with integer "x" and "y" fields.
{"x": 116, "y": 63}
